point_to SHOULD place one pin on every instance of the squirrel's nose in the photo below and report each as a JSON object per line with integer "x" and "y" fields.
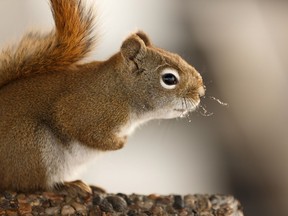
{"x": 201, "y": 91}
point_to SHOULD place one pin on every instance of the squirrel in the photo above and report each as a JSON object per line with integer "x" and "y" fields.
{"x": 57, "y": 112}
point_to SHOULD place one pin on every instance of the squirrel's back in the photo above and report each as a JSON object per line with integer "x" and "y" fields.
{"x": 58, "y": 50}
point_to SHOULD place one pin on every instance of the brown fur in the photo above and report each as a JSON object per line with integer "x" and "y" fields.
{"x": 48, "y": 99}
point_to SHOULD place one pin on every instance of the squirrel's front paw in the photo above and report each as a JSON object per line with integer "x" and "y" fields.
{"x": 109, "y": 143}
{"x": 114, "y": 143}
{"x": 120, "y": 142}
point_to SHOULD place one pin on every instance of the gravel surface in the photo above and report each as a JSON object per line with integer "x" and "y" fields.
{"x": 105, "y": 204}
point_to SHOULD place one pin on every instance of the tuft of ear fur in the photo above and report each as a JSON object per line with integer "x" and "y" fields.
{"x": 134, "y": 47}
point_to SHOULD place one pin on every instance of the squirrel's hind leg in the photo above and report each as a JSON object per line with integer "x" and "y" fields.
{"x": 75, "y": 188}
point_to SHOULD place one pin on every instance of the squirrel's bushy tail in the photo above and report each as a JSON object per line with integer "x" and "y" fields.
{"x": 57, "y": 50}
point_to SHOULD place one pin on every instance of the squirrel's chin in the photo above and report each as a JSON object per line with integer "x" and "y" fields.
{"x": 177, "y": 113}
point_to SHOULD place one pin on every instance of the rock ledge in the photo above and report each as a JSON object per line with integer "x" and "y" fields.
{"x": 105, "y": 204}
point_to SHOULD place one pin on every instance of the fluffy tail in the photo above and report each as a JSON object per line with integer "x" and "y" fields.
{"x": 57, "y": 50}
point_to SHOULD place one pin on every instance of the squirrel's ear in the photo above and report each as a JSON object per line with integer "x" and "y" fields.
{"x": 134, "y": 46}
{"x": 144, "y": 37}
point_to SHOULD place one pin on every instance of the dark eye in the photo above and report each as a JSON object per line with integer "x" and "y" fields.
{"x": 169, "y": 78}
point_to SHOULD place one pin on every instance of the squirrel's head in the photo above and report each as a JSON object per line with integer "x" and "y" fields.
{"x": 159, "y": 82}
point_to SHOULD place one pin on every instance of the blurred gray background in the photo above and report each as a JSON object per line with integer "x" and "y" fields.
{"x": 241, "y": 49}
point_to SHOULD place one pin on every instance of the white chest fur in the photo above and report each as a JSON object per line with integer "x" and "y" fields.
{"x": 63, "y": 162}
{"x": 133, "y": 122}
{"x": 76, "y": 157}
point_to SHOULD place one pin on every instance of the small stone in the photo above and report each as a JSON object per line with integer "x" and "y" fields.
{"x": 170, "y": 210}
{"x": 147, "y": 204}
{"x": 224, "y": 211}
{"x": 144, "y": 214}
{"x": 157, "y": 210}
{"x": 7, "y": 195}
{"x": 202, "y": 203}
{"x": 183, "y": 213}
{"x": 52, "y": 210}
{"x": 96, "y": 211}
{"x": 208, "y": 214}
{"x": 67, "y": 210}
{"x": 21, "y": 198}
{"x": 4, "y": 204}
{"x": 33, "y": 197}
{"x": 127, "y": 199}
{"x": 106, "y": 206}
{"x": 13, "y": 205}
{"x": 164, "y": 200}
{"x": 38, "y": 210}
{"x": 132, "y": 213}
{"x": 79, "y": 207}
{"x": 96, "y": 200}
{"x": 153, "y": 196}
{"x": 53, "y": 197}
{"x": 178, "y": 202}
{"x": 25, "y": 208}
{"x": 118, "y": 203}
{"x": 35, "y": 202}
{"x": 12, "y": 213}
{"x": 46, "y": 204}
{"x": 189, "y": 201}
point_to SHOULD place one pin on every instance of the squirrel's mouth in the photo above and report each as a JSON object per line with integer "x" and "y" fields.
{"x": 183, "y": 112}
{"x": 186, "y": 106}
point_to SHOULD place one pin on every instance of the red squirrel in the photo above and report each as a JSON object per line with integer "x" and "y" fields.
{"x": 56, "y": 113}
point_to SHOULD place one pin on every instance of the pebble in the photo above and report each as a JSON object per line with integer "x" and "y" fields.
{"x": 202, "y": 204}
{"x": 5, "y": 204}
{"x": 67, "y": 210}
{"x": 127, "y": 199}
{"x": 118, "y": 203}
{"x": 35, "y": 202}
{"x": 79, "y": 207}
{"x": 132, "y": 213}
{"x": 171, "y": 210}
{"x": 106, "y": 206}
{"x": 157, "y": 210}
{"x": 96, "y": 199}
{"x": 12, "y": 213}
{"x": 146, "y": 205}
{"x": 183, "y": 213}
{"x": 21, "y": 198}
{"x": 7, "y": 195}
{"x": 189, "y": 201}
{"x": 52, "y": 210}
{"x": 53, "y": 196}
{"x": 37, "y": 210}
{"x": 178, "y": 202}
{"x": 25, "y": 208}
{"x": 207, "y": 214}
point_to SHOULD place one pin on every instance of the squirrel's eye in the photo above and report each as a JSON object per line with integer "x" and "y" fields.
{"x": 169, "y": 78}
